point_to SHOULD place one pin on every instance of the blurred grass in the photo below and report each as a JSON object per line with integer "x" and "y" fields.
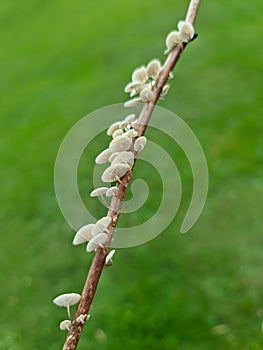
{"x": 61, "y": 60}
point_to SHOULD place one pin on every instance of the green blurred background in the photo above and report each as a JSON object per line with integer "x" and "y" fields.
{"x": 60, "y": 60}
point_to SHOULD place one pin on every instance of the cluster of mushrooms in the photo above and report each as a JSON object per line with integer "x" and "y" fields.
{"x": 120, "y": 154}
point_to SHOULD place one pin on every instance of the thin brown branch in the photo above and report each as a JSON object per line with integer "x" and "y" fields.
{"x": 97, "y": 264}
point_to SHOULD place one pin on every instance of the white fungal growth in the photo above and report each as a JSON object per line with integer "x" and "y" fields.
{"x": 132, "y": 103}
{"x": 97, "y": 241}
{"x": 134, "y": 124}
{"x": 139, "y": 75}
{"x": 84, "y": 234}
{"x": 126, "y": 157}
{"x": 139, "y": 144}
{"x": 68, "y": 299}
{"x": 113, "y": 127}
{"x": 82, "y": 318}
{"x": 131, "y": 133}
{"x": 108, "y": 260}
{"x": 147, "y": 95}
{"x": 186, "y": 31}
{"x": 114, "y": 172}
{"x": 101, "y": 225}
{"x": 132, "y": 86}
{"x": 111, "y": 191}
{"x": 130, "y": 118}
{"x": 65, "y": 325}
{"x": 120, "y": 143}
{"x": 153, "y": 69}
{"x": 103, "y": 157}
{"x": 117, "y": 132}
{"x": 173, "y": 39}
{"x": 165, "y": 90}
{"x": 98, "y": 191}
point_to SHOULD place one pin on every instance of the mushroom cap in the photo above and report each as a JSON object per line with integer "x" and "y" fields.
{"x": 113, "y": 127}
{"x": 111, "y": 191}
{"x": 133, "y": 102}
{"x": 120, "y": 143}
{"x": 113, "y": 172}
{"x": 103, "y": 157}
{"x": 139, "y": 75}
{"x": 186, "y": 31}
{"x": 153, "y": 68}
{"x": 68, "y": 299}
{"x": 117, "y": 132}
{"x": 65, "y": 325}
{"x": 132, "y": 86}
{"x": 131, "y": 133}
{"x": 98, "y": 191}
{"x": 109, "y": 257}
{"x": 101, "y": 225}
{"x": 84, "y": 234}
{"x": 173, "y": 38}
{"x": 140, "y": 143}
{"x": 130, "y": 118}
{"x": 125, "y": 157}
{"x": 96, "y": 241}
{"x": 146, "y": 95}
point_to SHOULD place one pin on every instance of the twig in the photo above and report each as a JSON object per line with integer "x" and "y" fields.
{"x": 117, "y": 200}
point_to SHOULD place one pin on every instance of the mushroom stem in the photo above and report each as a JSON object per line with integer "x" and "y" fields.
{"x": 68, "y": 310}
{"x": 104, "y": 202}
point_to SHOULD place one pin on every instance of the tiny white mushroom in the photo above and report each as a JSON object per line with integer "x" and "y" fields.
{"x": 114, "y": 172}
{"x": 99, "y": 192}
{"x": 103, "y": 157}
{"x": 108, "y": 260}
{"x": 133, "y": 102}
{"x": 140, "y": 143}
{"x": 131, "y": 133}
{"x": 67, "y": 299}
{"x": 84, "y": 234}
{"x": 147, "y": 95}
{"x": 65, "y": 325}
{"x": 120, "y": 143}
{"x": 132, "y": 86}
{"x": 82, "y": 318}
{"x": 126, "y": 157}
{"x": 116, "y": 133}
{"x": 186, "y": 31}
{"x": 113, "y": 127}
{"x": 153, "y": 68}
{"x": 130, "y": 118}
{"x": 139, "y": 75}
{"x": 111, "y": 191}
{"x": 134, "y": 124}
{"x": 97, "y": 241}
{"x": 173, "y": 39}
{"x": 165, "y": 90}
{"x": 101, "y": 225}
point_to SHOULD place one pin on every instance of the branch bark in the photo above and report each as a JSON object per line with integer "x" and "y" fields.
{"x": 98, "y": 262}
